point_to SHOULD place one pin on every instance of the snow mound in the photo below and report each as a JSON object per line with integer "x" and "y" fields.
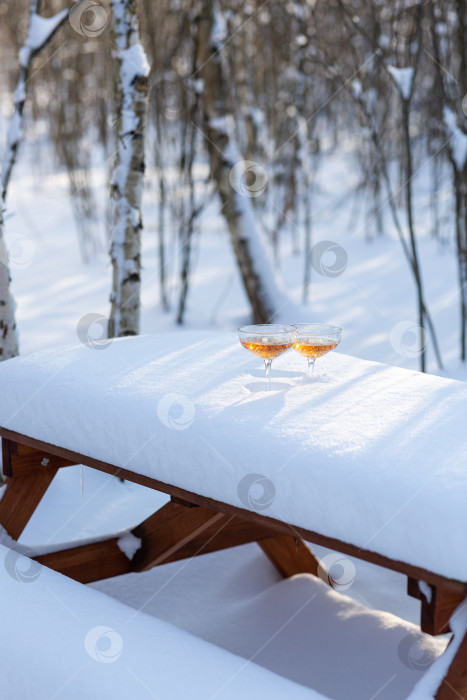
{"x": 60, "y": 638}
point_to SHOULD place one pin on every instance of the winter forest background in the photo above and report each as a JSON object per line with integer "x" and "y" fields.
{"x": 292, "y": 161}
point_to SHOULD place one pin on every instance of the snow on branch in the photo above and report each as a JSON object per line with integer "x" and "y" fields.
{"x": 403, "y": 78}
{"x": 134, "y": 64}
{"x": 457, "y": 138}
{"x": 219, "y": 29}
{"x": 40, "y": 32}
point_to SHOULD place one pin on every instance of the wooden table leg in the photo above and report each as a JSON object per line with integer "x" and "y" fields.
{"x": 23, "y": 460}
{"x": 21, "y": 498}
{"x": 290, "y": 555}
{"x": 30, "y": 473}
{"x": 436, "y": 608}
{"x": 179, "y": 532}
{"x": 454, "y": 684}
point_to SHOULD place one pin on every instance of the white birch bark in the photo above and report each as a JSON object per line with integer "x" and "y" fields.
{"x": 127, "y": 180}
{"x": 40, "y": 32}
{"x": 8, "y": 334}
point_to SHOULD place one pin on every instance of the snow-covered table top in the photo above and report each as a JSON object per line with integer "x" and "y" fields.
{"x": 372, "y": 455}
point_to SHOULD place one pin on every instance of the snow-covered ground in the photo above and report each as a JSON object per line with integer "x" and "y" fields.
{"x": 235, "y": 598}
{"x": 372, "y": 299}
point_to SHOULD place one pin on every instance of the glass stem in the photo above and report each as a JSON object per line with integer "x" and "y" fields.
{"x": 311, "y": 363}
{"x": 267, "y": 365}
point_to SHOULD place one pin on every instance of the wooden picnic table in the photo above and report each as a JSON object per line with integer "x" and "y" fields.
{"x": 44, "y": 414}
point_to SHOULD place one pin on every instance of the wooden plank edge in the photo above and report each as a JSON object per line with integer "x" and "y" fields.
{"x": 7, "y": 449}
{"x": 218, "y": 506}
{"x": 88, "y": 562}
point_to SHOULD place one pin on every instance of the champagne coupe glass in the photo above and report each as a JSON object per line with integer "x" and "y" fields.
{"x": 314, "y": 340}
{"x": 267, "y": 340}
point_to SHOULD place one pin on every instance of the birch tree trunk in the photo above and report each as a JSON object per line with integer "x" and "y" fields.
{"x": 127, "y": 182}
{"x": 268, "y": 301}
{"x": 8, "y": 334}
{"x": 40, "y": 32}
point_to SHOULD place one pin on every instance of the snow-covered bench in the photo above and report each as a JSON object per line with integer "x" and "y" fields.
{"x": 62, "y": 639}
{"x": 366, "y": 459}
